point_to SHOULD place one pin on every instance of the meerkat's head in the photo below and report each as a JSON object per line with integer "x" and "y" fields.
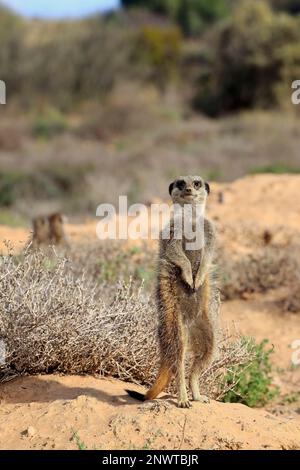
{"x": 57, "y": 218}
{"x": 189, "y": 190}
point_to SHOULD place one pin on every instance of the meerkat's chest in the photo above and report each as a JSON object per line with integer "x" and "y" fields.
{"x": 194, "y": 256}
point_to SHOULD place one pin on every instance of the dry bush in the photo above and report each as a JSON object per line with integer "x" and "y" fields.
{"x": 114, "y": 260}
{"x": 127, "y": 109}
{"x": 266, "y": 268}
{"x": 52, "y": 320}
{"x": 291, "y": 302}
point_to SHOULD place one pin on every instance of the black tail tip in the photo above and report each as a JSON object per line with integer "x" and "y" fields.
{"x": 136, "y": 395}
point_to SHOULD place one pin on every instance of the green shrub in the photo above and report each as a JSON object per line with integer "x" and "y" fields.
{"x": 159, "y": 51}
{"x": 11, "y": 182}
{"x": 46, "y": 183}
{"x": 49, "y": 124}
{"x": 11, "y": 219}
{"x": 191, "y": 15}
{"x": 253, "y": 59}
{"x": 11, "y": 32}
{"x": 252, "y": 384}
{"x": 275, "y": 168}
{"x": 71, "y": 61}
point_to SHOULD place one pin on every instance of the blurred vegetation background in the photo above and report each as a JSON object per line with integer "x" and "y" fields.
{"x": 121, "y": 103}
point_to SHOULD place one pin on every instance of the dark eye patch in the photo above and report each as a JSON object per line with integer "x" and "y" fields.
{"x": 180, "y": 185}
{"x": 197, "y": 184}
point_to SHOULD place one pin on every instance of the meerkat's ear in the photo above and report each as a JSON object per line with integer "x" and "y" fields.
{"x": 171, "y": 187}
{"x": 207, "y": 187}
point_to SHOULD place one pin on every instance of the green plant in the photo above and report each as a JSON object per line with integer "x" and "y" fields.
{"x": 250, "y": 60}
{"x": 151, "y": 440}
{"x": 80, "y": 444}
{"x": 251, "y": 384}
{"x": 144, "y": 274}
{"x": 275, "y": 168}
{"x": 11, "y": 182}
{"x": 213, "y": 174}
{"x": 11, "y": 219}
{"x": 191, "y": 15}
{"x": 11, "y": 40}
{"x": 52, "y": 181}
{"x": 159, "y": 51}
{"x": 49, "y": 124}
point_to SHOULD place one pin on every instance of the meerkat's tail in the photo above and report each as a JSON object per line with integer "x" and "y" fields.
{"x": 136, "y": 395}
{"x": 163, "y": 379}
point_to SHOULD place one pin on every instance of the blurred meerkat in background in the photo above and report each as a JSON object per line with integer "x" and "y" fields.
{"x": 41, "y": 231}
{"x": 49, "y": 230}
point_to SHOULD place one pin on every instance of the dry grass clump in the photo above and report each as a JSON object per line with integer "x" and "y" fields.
{"x": 127, "y": 109}
{"x": 266, "y": 268}
{"x": 291, "y": 302}
{"x": 52, "y": 320}
{"x": 112, "y": 260}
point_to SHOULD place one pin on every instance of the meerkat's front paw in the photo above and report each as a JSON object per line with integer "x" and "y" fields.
{"x": 184, "y": 404}
{"x": 201, "y": 398}
{"x": 199, "y": 281}
{"x": 187, "y": 276}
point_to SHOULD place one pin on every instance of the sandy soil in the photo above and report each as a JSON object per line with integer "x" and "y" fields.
{"x": 45, "y": 412}
{"x": 56, "y": 412}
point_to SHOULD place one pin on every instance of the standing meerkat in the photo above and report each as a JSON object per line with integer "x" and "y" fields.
{"x": 187, "y": 297}
{"x": 41, "y": 231}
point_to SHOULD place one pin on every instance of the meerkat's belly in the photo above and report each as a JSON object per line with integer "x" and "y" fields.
{"x": 189, "y": 302}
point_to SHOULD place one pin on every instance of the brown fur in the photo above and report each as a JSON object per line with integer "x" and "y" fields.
{"x": 41, "y": 231}
{"x": 49, "y": 230}
{"x": 57, "y": 231}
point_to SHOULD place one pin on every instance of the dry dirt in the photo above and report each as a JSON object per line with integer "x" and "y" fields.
{"x": 45, "y": 412}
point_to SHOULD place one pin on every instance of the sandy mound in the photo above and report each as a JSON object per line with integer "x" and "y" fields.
{"x": 259, "y": 199}
{"x": 45, "y": 412}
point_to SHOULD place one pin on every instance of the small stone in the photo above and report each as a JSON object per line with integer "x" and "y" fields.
{"x": 29, "y": 432}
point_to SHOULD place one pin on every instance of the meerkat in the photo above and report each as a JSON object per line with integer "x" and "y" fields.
{"x": 187, "y": 298}
{"x": 57, "y": 230}
{"x": 41, "y": 231}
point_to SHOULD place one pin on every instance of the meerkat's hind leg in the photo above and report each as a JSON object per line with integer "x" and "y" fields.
{"x": 183, "y": 400}
{"x": 194, "y": 381}
{"x": 203, "y": 357}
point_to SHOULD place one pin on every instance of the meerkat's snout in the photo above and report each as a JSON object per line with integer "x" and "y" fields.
{"x": 188, "y": 192}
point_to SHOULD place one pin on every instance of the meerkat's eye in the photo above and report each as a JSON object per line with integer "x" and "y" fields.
{"x": 197, "y": 184}
{"x": 180, "y": 185}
